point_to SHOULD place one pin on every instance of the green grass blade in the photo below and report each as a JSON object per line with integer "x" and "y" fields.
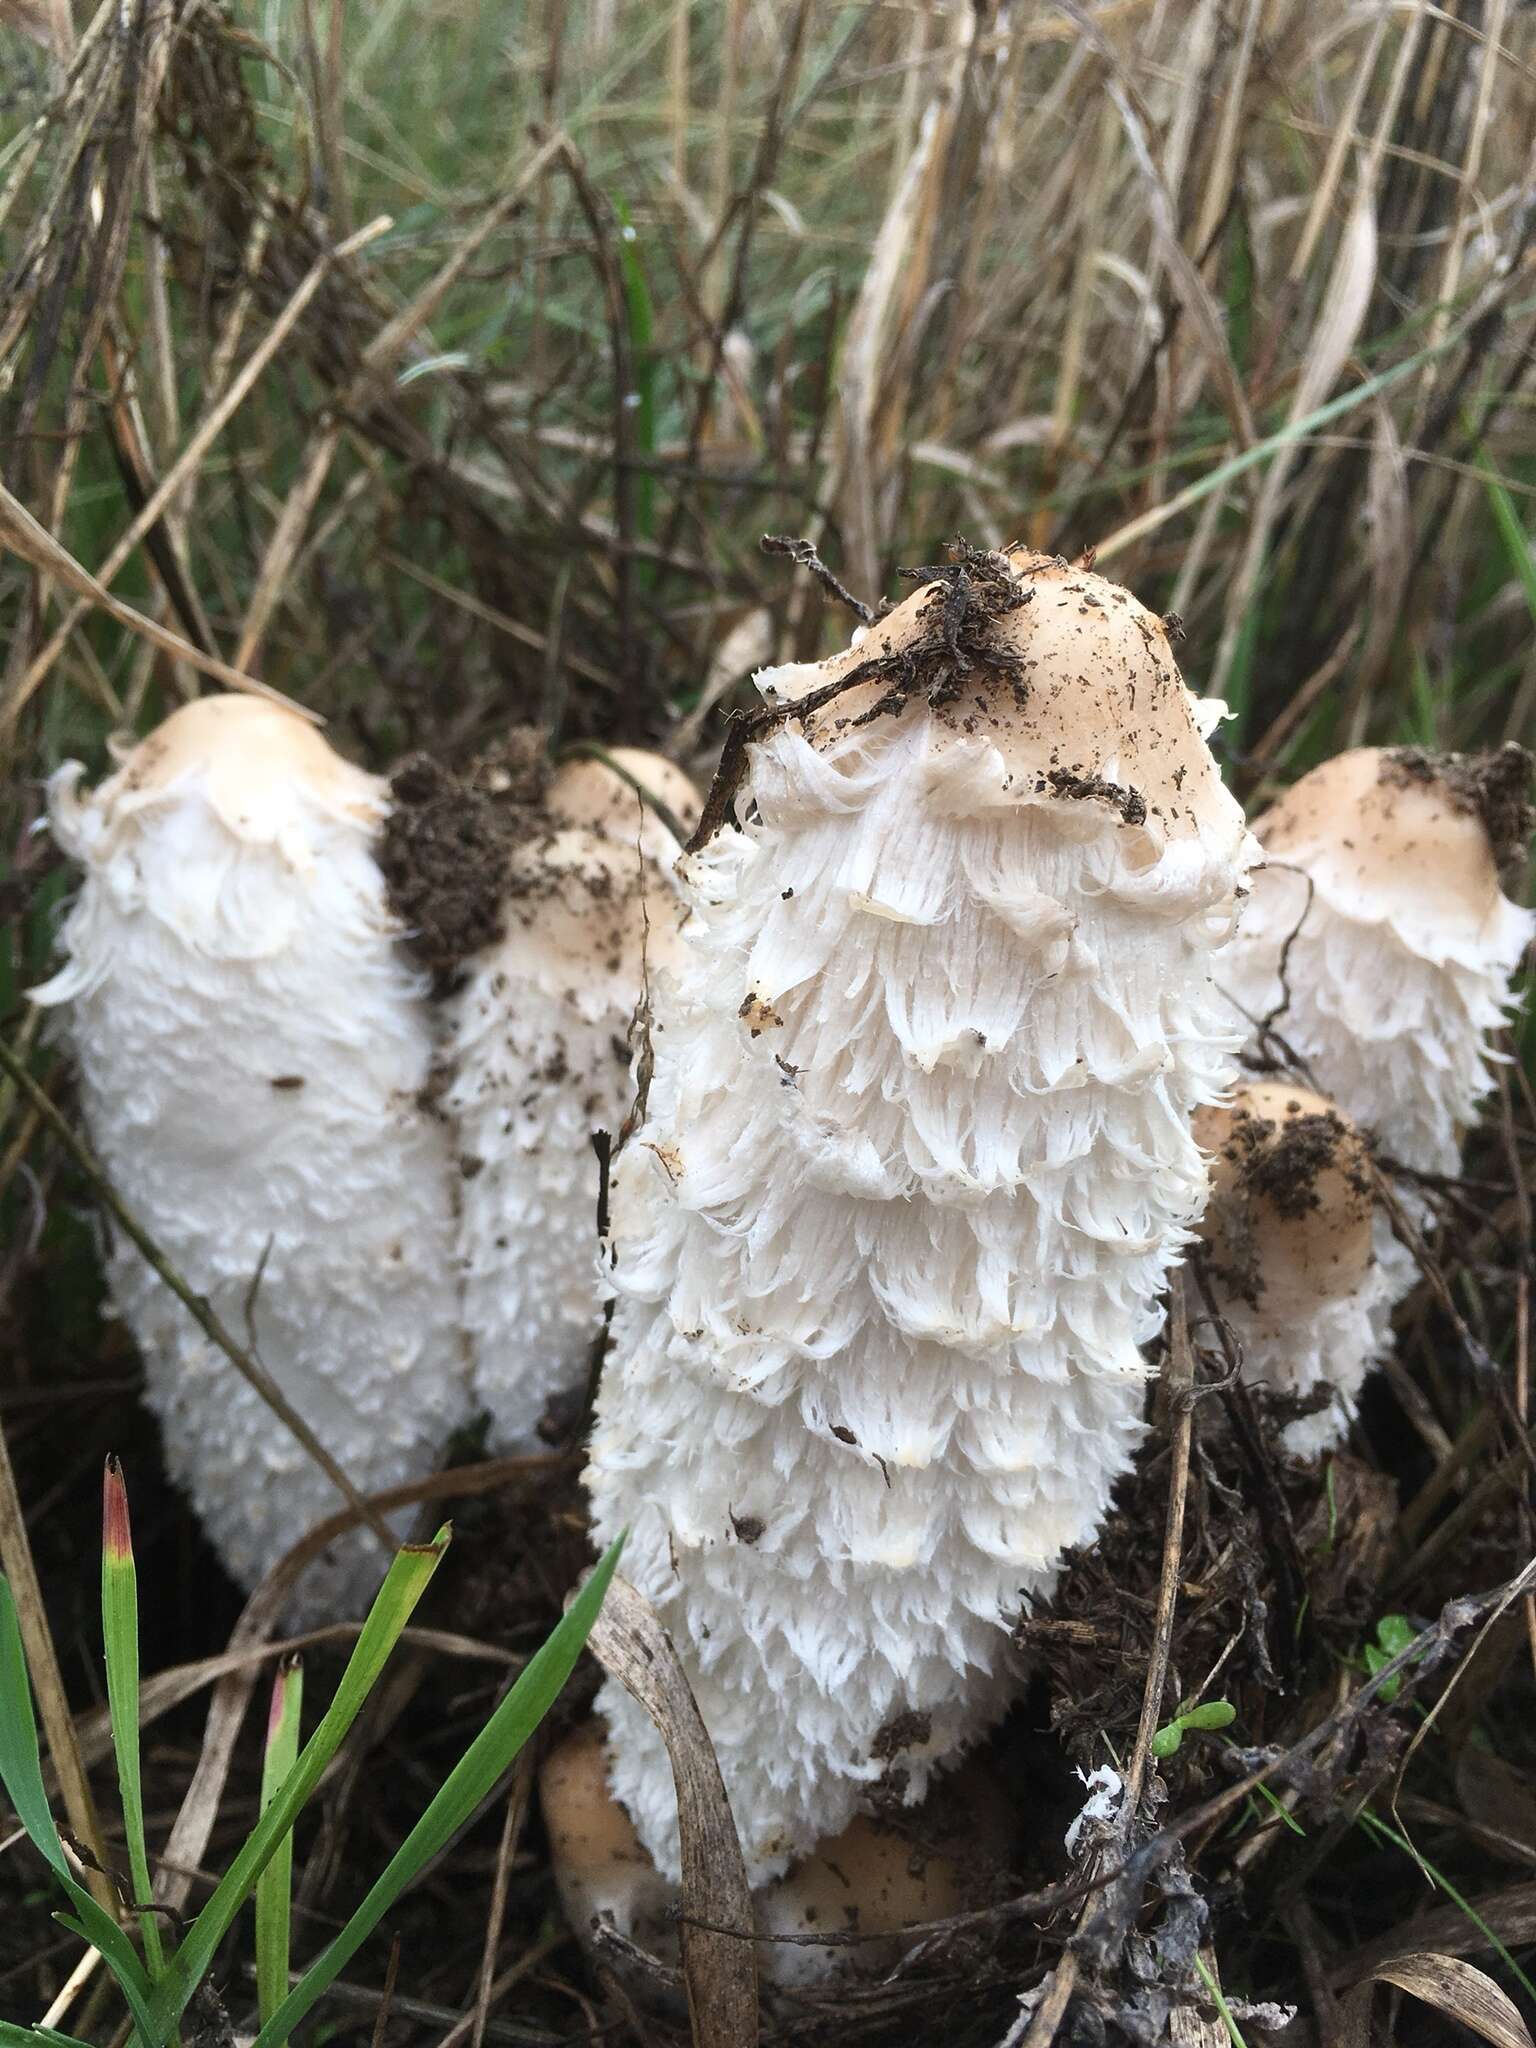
{"x": 21, "y": 1772}
{"x": 274, "y": 1887}
{"x": 120, "y": 1636}
{"x": 1376, "y": 1826}
{"x": 467, "y": 1784}
{"x": 1512, "y": 532}
{"x": 397, "y": 1597}
{"x": 12, "y": 2036}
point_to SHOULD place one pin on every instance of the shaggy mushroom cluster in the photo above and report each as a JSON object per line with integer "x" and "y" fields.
{"x": 939, "y": 1079}
{"x": 279, "y": 1100}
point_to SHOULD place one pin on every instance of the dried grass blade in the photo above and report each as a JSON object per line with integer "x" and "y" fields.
{"x": 719, "y": 1960}
{"x": 854, "y": 487}
{"x": 1451, "y": 1986}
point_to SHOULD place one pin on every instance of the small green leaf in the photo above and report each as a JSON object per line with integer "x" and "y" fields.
{"x": 1213, "y": 1714}
{"x": 1395, "y": 1633}
{"x": 1168, "y": 1741}
{"x": 467, "y": 1784}
{"x": 274, "y": 1887}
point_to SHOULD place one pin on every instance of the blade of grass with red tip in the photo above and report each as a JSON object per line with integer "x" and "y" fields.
{"x": 120, "y": 1638}
{"x": 21, "y": 1773}
{"x": 274, "y": 1887}
{"x": 467, "y": 1784}
{"x": 392, "y": 1608}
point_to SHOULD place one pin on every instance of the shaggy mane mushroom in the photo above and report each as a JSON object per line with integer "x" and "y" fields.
{"x": 1290, "y": 1244}
{"x": 916, "y": 1160}
{"x": 252, "y": 1048}
{"x": 543, "y": 901}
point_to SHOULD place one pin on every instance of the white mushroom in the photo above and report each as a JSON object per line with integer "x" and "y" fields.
{"x": 1290, "y": 1258}
{"x": 252, "y": 1047}
{"x": 916, "y": 1160}
{"x": 1378, "y": 947}
{"x": 535, "y": 1058}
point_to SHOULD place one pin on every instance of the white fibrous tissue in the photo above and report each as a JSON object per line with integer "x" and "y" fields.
{"x": 1289, "y": 1251}
{"x": 1105, "y": 1789}
{"x": 536, "y": 1057}
{"x": 1377, "y": 950}
{"x": 916, "y": 1159}
{"x": 252, "y": 1047}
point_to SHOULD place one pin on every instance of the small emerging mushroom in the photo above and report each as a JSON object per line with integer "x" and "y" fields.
{"x": 252, "y": 1048}
{"x": 603, "y": 1875}
{"x": 1290, "y": 1257}
{"x": 916, "y": 1159}
{"x": 874, "y": 1881}
{"x": 535, "y": 1058}
{"x": 1377, "y": 948}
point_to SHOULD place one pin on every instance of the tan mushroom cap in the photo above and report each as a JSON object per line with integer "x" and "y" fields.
{"x": 577, "y": 898}
{"x": 1291, "y": 1196}
{"x": 1386, "y": 840}
{"x": 587, "y": 792}
{"x": 599, "y": 1864}
{"x": 870, "y": 1880}
{"x": 881, "y": 1878}
{"x": 249, "y": 749}
{"x": 1103, "y": 697}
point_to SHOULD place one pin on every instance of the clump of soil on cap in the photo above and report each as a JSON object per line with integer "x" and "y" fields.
{"x": 1280, "y": 1163}
{"x": 448, "y": 841}
{"x": 1069, "y": 782}
{"x": 1278, "y": 1166}
{"x": 1494, "y": 788}
{"x": 973, "y": 592}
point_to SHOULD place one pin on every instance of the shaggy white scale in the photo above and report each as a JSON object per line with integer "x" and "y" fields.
{"x": 917, "y": 1158}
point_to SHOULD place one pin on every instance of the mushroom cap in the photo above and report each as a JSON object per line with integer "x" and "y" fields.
{"x": 572, "y": 917}
{"x": 1387, "y": 833}
{"x": 878, "y": 1877}
{"x": 869, "y": 1880}
{"x": 1290, "y": 1215}
{"x": 1085, "y": 701}
{"x": 251, "y": 753}
{"x": 601, "y": 1870}
{"x": 587, "y": 792}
